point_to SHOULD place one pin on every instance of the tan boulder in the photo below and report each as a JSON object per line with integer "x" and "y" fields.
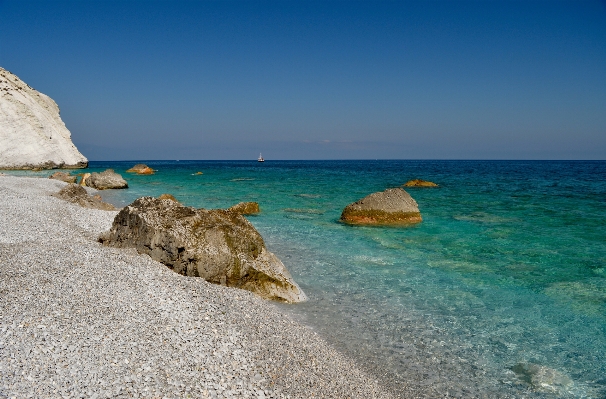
{"x": 137, "y": 168}
{"x": 141, "y": 169}
{"x": 218, "y": 245}
{"x": 393, "y": 206}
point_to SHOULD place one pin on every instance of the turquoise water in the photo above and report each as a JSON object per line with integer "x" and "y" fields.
{"x": 508, "y": 266}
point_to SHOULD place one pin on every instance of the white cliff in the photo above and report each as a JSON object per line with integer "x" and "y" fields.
{"x": 32, "y": 134}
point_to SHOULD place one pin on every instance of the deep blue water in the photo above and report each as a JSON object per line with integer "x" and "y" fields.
{"x": 507, "y": 267}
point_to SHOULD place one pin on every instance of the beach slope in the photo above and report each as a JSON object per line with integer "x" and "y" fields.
{"x": 81, "y": 320}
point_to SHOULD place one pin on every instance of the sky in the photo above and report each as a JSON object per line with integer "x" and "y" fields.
{"x": 144, "y": 80}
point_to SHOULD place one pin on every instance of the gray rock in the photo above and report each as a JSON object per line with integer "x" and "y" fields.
{"x": 218, "y": 245}
{"x": 393, "y": 206}
{"x": 107, "y": 179}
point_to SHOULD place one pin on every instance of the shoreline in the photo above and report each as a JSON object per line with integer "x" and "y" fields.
{"x": 82, "y": 320}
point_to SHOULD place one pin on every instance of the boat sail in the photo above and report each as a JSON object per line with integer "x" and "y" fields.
{"x": 260, "y": 159}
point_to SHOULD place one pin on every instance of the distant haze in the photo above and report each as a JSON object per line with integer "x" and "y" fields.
{"x": 318, "y": 80}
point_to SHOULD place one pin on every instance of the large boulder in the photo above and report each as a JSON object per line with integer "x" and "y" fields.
{"x": 246, "y": 208}
{"x": 107, "y": 179}
{"x": 77, "y": 195}
{"x": 66, "y": 177}
{"x": 420, "y": 183}
{"x": 393, "y": 206}
{"x": 218, "y": 245}
{"x": 32, "y": 134}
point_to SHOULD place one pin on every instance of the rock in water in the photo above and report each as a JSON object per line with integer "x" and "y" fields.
{"x": 542, "y": 378}
{"x": 105, "y": 180}
{"x": 138, "y": 167}
{"x": 420, "y": 183}
{"x": 393, "y": 206}
{"x": 218, "y": 245}
{"x": 246, "y": 208}
{"x": 141, "y": 169}
{"x": 66, "y": 177}
{"x": 32, "y": 134}
{"x": 77, "y": 195}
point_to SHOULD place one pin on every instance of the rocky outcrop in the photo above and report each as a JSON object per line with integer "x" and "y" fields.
{"x": 141, "y": 169}
{"x": 32, "y": 134}
{"x": 77, "y": 195}
{"x": 105, "y": 180}
{"x": 66, "y": 177}
{"x": 419, "y": 183}
{"x": 246, "y": 208}
{"x": 218, "y": 245}
{"x": 393, "y": 206}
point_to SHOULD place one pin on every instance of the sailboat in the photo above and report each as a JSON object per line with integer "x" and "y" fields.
{"x": 260, "y": 159}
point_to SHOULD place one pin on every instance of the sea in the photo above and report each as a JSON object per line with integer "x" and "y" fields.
{"x": 499, "y": 293}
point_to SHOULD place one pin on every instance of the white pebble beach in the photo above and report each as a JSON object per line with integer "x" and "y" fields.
{"x": 80, "y": 320}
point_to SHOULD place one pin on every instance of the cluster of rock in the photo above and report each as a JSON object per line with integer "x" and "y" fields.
{"x": 141, "y": 169}
{"x": 218, "y": 245}
{"x": 108, "y": 179}
{"x": 32, "y": 134}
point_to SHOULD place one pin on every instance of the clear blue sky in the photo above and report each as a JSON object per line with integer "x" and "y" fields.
{"x": 318, "y": 80}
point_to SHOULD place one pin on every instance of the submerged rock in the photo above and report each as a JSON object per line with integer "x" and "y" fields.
{"x": 107, "y": 179}
{"x": 419, "y": 183}
{"x": 218, "y": 245}
{"x": 32, "y": 134}
{"x": 77, "y": 195}
{"x": 542, "y": 378}
{"x": 393, "y": 206}
{"x": 66, "y": 177}
{"x": 246, "y": 208}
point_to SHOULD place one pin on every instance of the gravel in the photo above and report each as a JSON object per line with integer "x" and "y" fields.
{"x": 79, "y": 320}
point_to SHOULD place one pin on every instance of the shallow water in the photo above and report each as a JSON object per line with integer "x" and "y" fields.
{"x": 508, "y": 266}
